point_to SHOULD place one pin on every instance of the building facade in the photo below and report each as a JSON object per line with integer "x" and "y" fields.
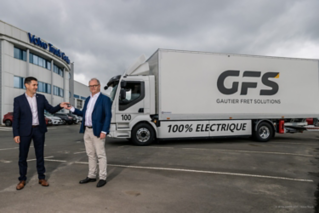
{"x": 24, "y": 54}
{"x": 81, "y": 93}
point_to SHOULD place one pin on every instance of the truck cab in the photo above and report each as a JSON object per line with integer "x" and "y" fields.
{"x": 133, "y": 104}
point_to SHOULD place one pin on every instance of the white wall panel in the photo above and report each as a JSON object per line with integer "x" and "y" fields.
{"x": 6, "y": 108}
{"x": 8, "y": 48}
{"x": 57, "y": 80}
{"x": 81, "y": 89}
{"x": 8, "y": 95}
{"x": 8, "y": 79}
{"x": 42, "y": 74}
{"x": 14, "y": 66}
{"x": 57, "y": 100}
{"x": 15, "y": 33}
{"x": 7, "y": 29}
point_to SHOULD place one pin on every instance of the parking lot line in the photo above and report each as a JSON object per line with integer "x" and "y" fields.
{"x": 5, "y": 161}
{"x": 5, "y": 129}
{"x": 210, "y": 172}
{"x": 79, "y": 152}
{"x": 248, "y": 151}
{"x": 15, "y": 148}
{"x": 53, "y": 160}
{"x": 46, "y": 158}
{"x": 204, "y": 172}
{"x": 9, "y": 148}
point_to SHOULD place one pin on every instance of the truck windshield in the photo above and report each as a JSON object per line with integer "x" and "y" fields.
{"x": 113, "y": 91}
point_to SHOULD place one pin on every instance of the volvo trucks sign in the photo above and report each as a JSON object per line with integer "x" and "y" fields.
{"x": 37, "y": 41}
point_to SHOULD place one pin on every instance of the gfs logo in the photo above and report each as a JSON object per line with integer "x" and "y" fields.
{"x": 265, "y": 79}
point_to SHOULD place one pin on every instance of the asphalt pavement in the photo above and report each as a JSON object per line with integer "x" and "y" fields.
{"x": 215, "y": 175}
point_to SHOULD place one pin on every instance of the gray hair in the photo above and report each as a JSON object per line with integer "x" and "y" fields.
{"x": 95, "y": 80}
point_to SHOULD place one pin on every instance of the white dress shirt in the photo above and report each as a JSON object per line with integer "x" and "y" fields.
{"x": 34, "y": 108}
{"x": 89, "y": 109}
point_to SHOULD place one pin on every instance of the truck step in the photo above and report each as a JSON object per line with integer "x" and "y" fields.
{"x": 123, "y": 136}
{"x": 123, "y": 126}
{"x": 123, "y": 129}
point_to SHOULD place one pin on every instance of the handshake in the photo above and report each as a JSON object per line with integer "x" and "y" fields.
{"x": 66, "y": 105}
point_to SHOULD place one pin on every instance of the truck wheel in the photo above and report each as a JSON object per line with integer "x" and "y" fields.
{"x": 8, "y": 123}
{"x": 264, "y": 132}
{"x": 142, "y": 134}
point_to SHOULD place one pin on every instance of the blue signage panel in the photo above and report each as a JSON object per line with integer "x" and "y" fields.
{"x": 37, "y": 41}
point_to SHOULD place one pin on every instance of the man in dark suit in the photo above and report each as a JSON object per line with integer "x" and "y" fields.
{"x": 29, "y": 124}
{"x": 95, "y": 125}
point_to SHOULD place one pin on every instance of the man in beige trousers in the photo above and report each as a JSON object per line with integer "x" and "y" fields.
{"x": 95, "y": 125}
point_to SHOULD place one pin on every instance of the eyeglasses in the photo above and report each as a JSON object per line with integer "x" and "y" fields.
{"x": 91, "y": 86}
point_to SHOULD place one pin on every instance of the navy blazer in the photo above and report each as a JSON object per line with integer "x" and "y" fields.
{"x": 22, "y": 115}
{"x": 101, "y": 115}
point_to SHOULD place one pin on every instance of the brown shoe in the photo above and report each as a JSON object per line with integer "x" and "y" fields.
{"x": 20, "y": 185}
{"x": 43, "y": 182}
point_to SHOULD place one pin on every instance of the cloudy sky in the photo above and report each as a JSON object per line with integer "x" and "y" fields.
{"x": 104, "y": 37}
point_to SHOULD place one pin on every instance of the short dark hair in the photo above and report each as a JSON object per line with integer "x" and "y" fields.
{"x": 28, "y": 80}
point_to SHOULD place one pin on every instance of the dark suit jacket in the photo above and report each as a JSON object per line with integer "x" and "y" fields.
{"x": 101, "y": 115}
{"x": 22, "y": 115}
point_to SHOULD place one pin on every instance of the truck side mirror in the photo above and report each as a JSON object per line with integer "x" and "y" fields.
{"x": 122, "y": 94}
{"x": 123, "y": 84}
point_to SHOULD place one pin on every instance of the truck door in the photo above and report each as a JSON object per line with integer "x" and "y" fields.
{"x": 131, "y": 104}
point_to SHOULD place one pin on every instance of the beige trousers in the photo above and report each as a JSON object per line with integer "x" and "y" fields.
{"x": 95, "y": 150}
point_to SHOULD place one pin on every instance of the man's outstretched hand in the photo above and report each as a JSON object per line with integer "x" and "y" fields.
{"x": 65, "y": 105}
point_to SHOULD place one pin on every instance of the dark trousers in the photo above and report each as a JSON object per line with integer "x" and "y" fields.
{"x": 38, "y": 142}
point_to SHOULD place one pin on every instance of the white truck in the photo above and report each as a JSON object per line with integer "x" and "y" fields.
{"x": 186, "y": 94}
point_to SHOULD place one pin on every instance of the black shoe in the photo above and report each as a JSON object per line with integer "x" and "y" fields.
{"x": 101, "y": 183}
{"x": 86, "y": 180}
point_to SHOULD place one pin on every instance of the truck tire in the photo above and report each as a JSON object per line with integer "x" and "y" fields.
{"x": 142, "y": 134}
{"x": 8, "y": 123}
{"x": 264, "y": 132}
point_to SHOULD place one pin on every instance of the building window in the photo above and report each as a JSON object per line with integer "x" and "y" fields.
{"x": 44, "y": 87}
{"x": 58, "y": 70}
{"x": 49, "y": 88}
{"x": 48, "y": 65}
{"x": 76, "y": 96}
{"x": 19, "y": 82}
{"x": 58, "y": 91}
{"x": 83, "y": 98}
{"x": 55, "y": 90}
{"x": 79, "y": 104}
{"x": 37, "y": 60}
{"x": 20, "y": 54}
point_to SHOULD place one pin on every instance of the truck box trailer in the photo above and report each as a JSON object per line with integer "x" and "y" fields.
{"x": 187, "y": 94}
